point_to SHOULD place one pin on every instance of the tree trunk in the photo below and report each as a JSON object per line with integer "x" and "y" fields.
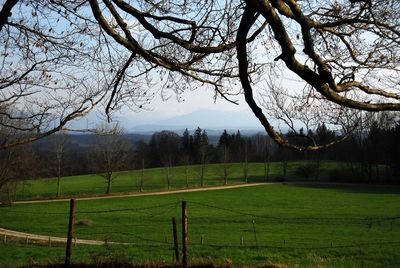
{"x": 187, "y": 175}
{"x": 109, "y": 183}
{"x": 245, "y": 163}
{"x": 225, "y": 174}
{"x": 168, "y": 177}
{"x": 202, "y": 175}
{"x": 285, "y": 164}
{"x": 58, "y": 186}
{"x": 23, "y": 188}
{"x": 142, "y": 177}
{"x": 266, "y": 170}
{"x": 58, "y": 178}
{"x": 245, "y": 171}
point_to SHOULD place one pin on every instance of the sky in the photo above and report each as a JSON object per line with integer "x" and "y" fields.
{"x": 197, "y": 109}
{"x": 193, "y": 101}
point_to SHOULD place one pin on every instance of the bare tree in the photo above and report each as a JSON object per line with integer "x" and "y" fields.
{"x": 185, "y": 151}
{"x": 58, "y": 145}
{"x": 110, "y": 152}
{"x": 142, "y": 151}
{"x": 345, "y": 53}
{"x": 164, "y": 148}
{"x": 245, "y": 163}
{"x": 16, "y": 165}
{"x": 224, "y": 151}
{"x": 203, "y": 155}
{"x": 224, "y": 158}
{"x": 55, "y": 66}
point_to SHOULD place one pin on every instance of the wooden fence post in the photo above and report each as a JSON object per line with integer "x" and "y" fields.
{"x": 70, "y": 232}
{"x": 184, "y": 235}
{"x": 5, "y": 238}
{"x": 175, "y": 235}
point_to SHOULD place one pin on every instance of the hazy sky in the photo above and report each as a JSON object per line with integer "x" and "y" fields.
{"x": 193, "y": 101}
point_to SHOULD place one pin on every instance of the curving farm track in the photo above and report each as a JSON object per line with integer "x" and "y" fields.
{"x": 50, "y": 239}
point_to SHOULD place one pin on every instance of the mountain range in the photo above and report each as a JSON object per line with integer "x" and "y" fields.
{"x": 206, "y": 119}
{"x": 214, "y": 121}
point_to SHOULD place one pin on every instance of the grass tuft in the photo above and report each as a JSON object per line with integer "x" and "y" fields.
{"x": 84, "y": 222}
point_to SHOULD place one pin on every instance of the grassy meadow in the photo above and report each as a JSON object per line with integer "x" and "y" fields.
{"x": 296, "y": 225}
{"x": 154, "y": 179}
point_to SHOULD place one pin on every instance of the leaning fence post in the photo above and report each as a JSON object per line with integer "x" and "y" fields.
{"x": 184, "y": 235}
{"x": 175, "y": 235}
{"x": 70, "y": 232}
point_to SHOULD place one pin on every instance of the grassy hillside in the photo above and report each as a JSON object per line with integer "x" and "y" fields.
{"x": 154, "y": 179}
{"x": 301, "y": 226}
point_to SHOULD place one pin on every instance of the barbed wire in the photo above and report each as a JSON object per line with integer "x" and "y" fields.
{"x": 127, "y": 209}
{"x": 91, "y": 211}
{"x": 365, "y": 221}
{"x": 35, "y": 212}
{"x": 135, "y": 236}
{"x": 159, "y": 216}
{"x": 264, "y": 246}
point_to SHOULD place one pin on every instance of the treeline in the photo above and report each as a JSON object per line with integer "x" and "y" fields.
{"x": 371, "y": 155}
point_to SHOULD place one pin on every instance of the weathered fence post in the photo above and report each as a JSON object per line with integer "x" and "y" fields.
{"x": 5, "y": 238}
{"x": 70, "y": 232}
{"x": 175, "y": 235}
{"x": 26, "y": 241}
{"x": 184, "y": 235}
{"x": 49, "y": 241}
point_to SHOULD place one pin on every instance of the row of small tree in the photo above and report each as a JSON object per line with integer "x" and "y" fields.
{"x": 371, "y": 154}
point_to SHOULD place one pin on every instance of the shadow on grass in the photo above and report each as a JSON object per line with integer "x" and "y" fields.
{"x": 351, "y": 187}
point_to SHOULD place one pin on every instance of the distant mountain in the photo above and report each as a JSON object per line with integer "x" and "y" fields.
{"x": 214, "y": 121}
{"x": 205, "y": 119}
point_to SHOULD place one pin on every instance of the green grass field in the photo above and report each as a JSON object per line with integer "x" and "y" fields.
{"x": 154, "y": 179}
{"x": 296, "y": 225}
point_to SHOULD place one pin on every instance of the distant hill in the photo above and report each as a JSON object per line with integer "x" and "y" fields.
{"x": 211, "y": 120}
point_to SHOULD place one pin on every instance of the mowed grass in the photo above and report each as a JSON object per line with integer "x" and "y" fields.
{"x": 296, "y": 225}
{"x": 154, "y": 179}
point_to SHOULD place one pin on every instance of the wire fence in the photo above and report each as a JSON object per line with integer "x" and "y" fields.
{"x": 211, "y": 228}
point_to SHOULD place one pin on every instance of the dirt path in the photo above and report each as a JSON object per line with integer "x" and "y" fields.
{"x": 45, "y": 239}
{"x": 211, "y": 188}
{"x": 50, "y": 239}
